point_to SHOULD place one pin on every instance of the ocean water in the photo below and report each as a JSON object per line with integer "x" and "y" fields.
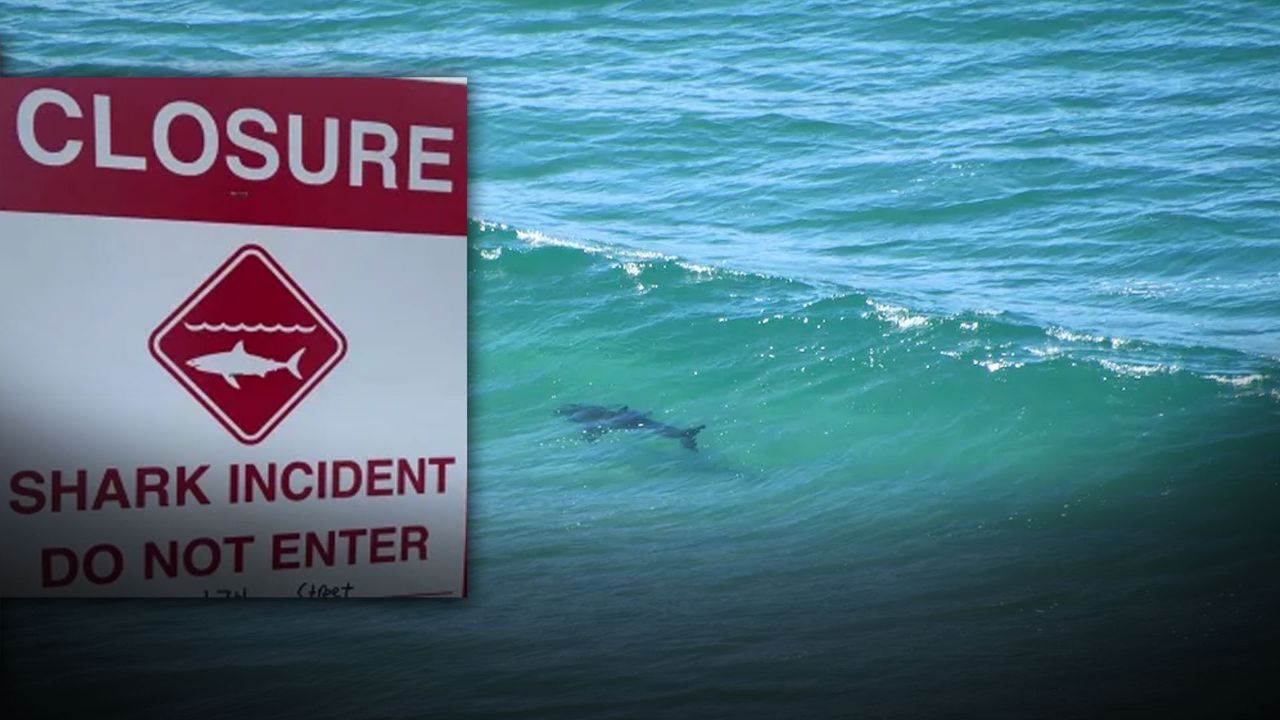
{"x": 979, "y": 304}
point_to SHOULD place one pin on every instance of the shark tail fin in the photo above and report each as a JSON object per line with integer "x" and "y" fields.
{"x": 292, "y": 364}
{"x": 689, "y": 438}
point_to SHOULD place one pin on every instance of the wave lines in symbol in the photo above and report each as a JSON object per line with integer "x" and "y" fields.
{"x": 242, "y": 327}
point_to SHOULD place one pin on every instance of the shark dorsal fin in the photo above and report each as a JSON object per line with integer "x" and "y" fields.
{"x": 239, "y": 348}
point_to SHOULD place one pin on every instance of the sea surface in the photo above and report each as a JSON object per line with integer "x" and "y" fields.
{"x": 979, "y": 303}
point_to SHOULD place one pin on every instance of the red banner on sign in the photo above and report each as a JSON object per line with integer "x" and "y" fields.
{"x": 345, "y": 153}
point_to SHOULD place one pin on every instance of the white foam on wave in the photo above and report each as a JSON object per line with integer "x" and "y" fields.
{"x": 897, "y": 315}
{"x": 998, "y": 365}
{"x": 706, "y": 270}
{"x": 1137, "y": 369}
{"x": 1240, "y": 381}
{"x": 629, "y": 259}
{"x": 1065, "y": 335}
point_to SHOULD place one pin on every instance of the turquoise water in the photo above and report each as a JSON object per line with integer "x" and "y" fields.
{"x": 980, "y": 305}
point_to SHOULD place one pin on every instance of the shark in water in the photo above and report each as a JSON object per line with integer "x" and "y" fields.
{"x": 600, "y": 420}
{"x": 238, "y": 361}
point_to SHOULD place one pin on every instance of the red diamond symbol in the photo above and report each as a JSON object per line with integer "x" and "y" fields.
{"x": 248, "y": 344}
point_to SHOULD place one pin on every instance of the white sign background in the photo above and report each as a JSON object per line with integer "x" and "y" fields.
{"x": 80, "y": 389}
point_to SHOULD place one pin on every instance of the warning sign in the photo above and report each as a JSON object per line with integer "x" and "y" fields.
{"x": 248, "y": 344}
{"x": 241, "y": 305}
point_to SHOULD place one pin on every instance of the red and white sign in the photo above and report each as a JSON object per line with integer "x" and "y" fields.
{"x": 236, "y": 319}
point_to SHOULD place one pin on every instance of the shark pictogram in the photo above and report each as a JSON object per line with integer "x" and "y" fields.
{"x": 238, "y": 361}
